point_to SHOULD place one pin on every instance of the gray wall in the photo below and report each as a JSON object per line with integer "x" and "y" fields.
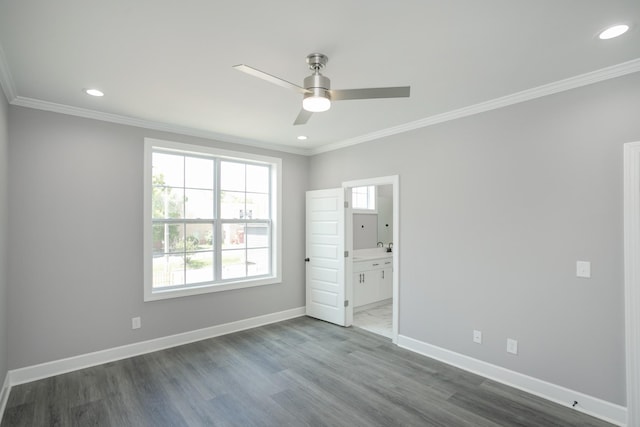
{"x": 365, "y": 231}
{"x": 495, "y": 210}
{"x": 4, "y": 224}
{"x": 75, "y": 265}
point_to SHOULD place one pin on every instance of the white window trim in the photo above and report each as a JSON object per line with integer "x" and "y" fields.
{"x": 276, "y": 249}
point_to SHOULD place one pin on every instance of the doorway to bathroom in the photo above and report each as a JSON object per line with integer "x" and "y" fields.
{"x": 372, "y": 239}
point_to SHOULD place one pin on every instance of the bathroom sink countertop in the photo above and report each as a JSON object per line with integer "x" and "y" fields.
{"x": 371, "y": 254}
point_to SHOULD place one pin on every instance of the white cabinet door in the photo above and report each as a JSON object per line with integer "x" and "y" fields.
{"x": 366, "y": 287}
{"x": 358, "y": 289}
{"x": 386, "y": 283}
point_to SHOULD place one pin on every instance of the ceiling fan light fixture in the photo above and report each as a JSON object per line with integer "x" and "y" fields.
{"x": 316, "y": 103}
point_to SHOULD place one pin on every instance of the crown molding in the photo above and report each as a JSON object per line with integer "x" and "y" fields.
{"x": 515, "y": 98}
{"x": 149, "y": 124}
{"x": 607, "y": 73}
{"x": 9, "y": 89}
{"x": 6, "y": 81}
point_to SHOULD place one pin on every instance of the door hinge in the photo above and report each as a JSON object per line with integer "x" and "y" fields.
{"x": 346, "y": 254}
{"x": 346, "y": 204}
{"x": 346, "y": 303}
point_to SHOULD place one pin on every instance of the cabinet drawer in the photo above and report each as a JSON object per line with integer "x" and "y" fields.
{"x": 377, "y": 264}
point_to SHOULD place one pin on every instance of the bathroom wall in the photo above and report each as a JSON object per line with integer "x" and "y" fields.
{"x": 385, "y": 213}
{"x": 365, "y": 231}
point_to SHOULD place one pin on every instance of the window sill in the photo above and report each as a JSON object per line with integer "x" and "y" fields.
{"x": 364, "y": 211}
{"x": 159, "y": 294}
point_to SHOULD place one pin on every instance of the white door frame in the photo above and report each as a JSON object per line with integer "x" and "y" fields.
{"x": 632, "y": 278}
{"x": 394, "y": 180}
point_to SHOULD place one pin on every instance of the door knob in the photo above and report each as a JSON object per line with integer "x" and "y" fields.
{"x": 307, "y": 260}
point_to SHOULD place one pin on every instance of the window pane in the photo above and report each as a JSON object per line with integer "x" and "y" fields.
{"x": 199, "y": 237}
{"x": 257, "y": 235}
{"x": 167, "y": 169}
{"x": 233, "y": 236}
{"x": 199, "y": 267}
{"x": 232, "y": 205}
{"x": 198, "y": 173}
{"x": 232, "y": 176}
{"x": 257, "y": 262}
{"x": 371, "y": 197}
{"x": 257, "y": 206}
{"x": 364, "y": 197}
{"x": 199, "y": 204}
{"x": 233, "y": 264}
{"x": 257, "y": 179}
{"x": 168, "y": 270}
{"x": 166, "y": 238}
{"x": 360, "y": 201}
{"x": 168, "y": 202}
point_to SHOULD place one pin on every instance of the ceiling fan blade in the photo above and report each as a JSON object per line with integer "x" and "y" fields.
{"x": 303, "y": 117}
{"x": 370, "y": 93}
{"x": 268, "y": 77}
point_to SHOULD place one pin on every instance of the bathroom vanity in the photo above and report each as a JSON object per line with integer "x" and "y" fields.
{"x": 372, "y": 276}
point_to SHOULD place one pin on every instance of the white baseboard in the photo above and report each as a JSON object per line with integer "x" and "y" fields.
{"x": 4, "y": 395}
{"x": 590, "y": 405}
{"x": 56, "y": 367}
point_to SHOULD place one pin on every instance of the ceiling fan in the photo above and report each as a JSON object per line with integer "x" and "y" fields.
{"x": 317, "y": 88}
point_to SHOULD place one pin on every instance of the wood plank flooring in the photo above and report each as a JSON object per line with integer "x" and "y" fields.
{"x": 300, "y": 372}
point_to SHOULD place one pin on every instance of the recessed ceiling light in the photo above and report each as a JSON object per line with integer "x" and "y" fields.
{"x": 302, "y": 137}
{"x": 614, "y": 31}
{"x": 93, "y": 92}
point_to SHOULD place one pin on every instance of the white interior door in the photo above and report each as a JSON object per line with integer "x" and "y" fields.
{"x": 325, "y": 230}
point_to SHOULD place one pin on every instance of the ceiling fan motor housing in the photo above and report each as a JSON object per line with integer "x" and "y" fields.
{"x": 318, "y": 84}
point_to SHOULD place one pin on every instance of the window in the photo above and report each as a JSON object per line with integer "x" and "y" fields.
{"x": 364, "y": 198}
{"x": 211, "y": 220}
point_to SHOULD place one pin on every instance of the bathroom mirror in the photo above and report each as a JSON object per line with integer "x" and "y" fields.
{"x": 369, "y": 228}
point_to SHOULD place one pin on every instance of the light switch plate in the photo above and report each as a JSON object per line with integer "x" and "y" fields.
{"x": 477, "y": 337}
{"x": 512, "y": 346}
{"x": 583, "y": 269}
{"x": 135, "y": 323}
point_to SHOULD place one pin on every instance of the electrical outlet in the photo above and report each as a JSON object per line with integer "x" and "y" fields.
{"x": 136, "y": 323}
{"x": 477, "y": 336}
{"x": 583, "y": 269}
{"x": 512, "y": 346}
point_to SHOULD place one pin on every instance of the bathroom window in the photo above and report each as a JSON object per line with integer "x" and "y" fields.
{"x": 364, "y": 199}
{"x": 210, "y": 220}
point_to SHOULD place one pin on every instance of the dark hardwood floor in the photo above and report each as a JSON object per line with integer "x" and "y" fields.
{"x": 300, "y": 372}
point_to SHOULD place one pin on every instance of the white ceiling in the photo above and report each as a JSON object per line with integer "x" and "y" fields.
{"x": 169, "y": 63}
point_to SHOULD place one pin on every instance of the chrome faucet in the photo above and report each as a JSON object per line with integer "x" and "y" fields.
{"x": 390, "y": 246}
{"x": 380, "y": 245}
